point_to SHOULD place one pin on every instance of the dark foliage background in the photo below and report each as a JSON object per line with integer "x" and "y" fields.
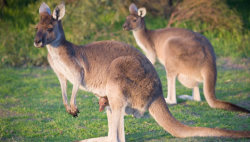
{"x": 224, "y": 22}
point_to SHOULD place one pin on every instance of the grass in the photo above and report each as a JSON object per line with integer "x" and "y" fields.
{"x": 31, "y": 108}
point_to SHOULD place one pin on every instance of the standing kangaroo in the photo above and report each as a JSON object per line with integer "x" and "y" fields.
{"x": 115, "y": 70}
{"x": 186, "y": 55}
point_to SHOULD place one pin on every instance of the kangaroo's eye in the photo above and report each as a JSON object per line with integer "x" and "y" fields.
{"x": 134, "y": 20}
{"x": 50, "y": 29}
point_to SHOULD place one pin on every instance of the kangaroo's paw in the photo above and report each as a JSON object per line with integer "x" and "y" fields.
{"x": 186, "y": 97}
{"x": 99, "y": 139}
{"x": 74, "y": 111}
{"x": 68, "y": 109}
{"x": 170, "y": 102}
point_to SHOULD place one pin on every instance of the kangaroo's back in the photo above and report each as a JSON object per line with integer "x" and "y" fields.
{"x": 183, "y": 50}
{"x": 102, "y": 53}
{"x": 97, "y": 57}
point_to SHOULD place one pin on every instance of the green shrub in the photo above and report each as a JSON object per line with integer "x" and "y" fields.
{"x": 91, "y": 20}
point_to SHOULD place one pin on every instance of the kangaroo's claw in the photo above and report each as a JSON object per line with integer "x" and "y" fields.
{"x": 74, "y": 111}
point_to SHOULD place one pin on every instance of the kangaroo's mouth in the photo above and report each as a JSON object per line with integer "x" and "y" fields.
{"x": 127, "y": 29}
{"x": 38, "y": 45}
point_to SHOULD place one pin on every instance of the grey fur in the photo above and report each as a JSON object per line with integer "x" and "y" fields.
{"x": 44, "y": 8}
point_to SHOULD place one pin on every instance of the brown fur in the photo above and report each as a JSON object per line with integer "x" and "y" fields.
{"x": 119, "y": 72}
{"x": 186, "y": 55}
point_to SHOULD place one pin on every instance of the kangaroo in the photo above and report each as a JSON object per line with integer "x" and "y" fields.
{"x": 114, "y": 70}
{"x": 103, "y": 102}
{"x": 186, "y": 55}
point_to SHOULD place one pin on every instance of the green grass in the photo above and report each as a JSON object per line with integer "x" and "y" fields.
{"x": 31, "y": 108}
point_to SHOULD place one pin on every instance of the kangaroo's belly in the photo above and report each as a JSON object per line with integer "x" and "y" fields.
{"x": 71, "y": 75}
{"x": 97, "y": 91}
{"x": 189, "y": 81}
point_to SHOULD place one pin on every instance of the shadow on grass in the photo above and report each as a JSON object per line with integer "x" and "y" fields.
{"x": 146, "y": 136}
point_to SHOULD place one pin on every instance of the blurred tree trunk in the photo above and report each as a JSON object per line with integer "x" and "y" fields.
{"x": 3, "y": 3}
{"x": 168, "y": 8}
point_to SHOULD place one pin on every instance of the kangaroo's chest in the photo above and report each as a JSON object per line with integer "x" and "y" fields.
{"x": 61, "y": 65}
{"x": 64, "y": 69}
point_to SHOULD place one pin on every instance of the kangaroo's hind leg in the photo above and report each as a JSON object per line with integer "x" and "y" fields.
{"x": 171, "y": 98}
{"x": 123, "y": 88}
{"x": 196, "y": 93}
{"x": 116, "y": 113}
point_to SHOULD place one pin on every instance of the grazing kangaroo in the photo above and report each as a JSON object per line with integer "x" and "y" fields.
{"x": 115, "y": 70}
{"x": 186, "y": 55}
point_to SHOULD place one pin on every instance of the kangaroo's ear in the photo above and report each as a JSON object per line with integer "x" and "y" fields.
{"x": 142, "y": 12}
{"x": 44, "y": 8}
{"x": 133, "y": 9}
{"x": 59, "y": 11}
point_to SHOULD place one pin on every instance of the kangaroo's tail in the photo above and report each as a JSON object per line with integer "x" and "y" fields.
{"x": 159, "y": 110}
{"x": 209, "y": 93}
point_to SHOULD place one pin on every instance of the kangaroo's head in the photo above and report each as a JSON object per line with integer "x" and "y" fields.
{"x": 135, "y": 20}
{"x": 49, "y": 29}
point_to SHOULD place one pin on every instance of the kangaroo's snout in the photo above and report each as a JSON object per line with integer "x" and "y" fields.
{"x": 125, "y": 26}
{"x": 38, "y": 41}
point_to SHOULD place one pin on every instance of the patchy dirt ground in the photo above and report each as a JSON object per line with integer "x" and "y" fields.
{"x": 6, "y": 113}
{"x": 229, "y": 63}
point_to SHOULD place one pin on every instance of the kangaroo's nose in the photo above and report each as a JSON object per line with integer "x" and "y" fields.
{"x": 124, "y": 26}
{"x": 37, "y": 41}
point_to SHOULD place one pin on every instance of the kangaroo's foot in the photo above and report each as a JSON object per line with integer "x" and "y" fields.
{"x": 99, "y": 139}
{"x": 170, "y": 102}
{"x": 73, "y": 110}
